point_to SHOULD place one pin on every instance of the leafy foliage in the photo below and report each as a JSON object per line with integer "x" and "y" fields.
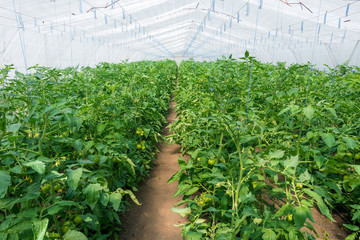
{"x": 69, "y": 156}
{"x": 263, "y": 153}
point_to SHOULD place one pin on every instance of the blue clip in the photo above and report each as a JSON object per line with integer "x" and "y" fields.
{"x": 302, "y": 26}
{"x": 238, "y": 17}
{"x": 247, "y": 9}
{"x": 95, "y": 13}
{"x": 325, "y": 16}
{"x": 319, "y": 29}
{"x": 339, "y": 24}
{"x": 230, "y": 24}
{"x": 261, "y": 3}
{"x": 80, "y": 5}
{"x": 112, "y": 3}
{"x": 105, "y": 19}
{"x": 347, "y": 10}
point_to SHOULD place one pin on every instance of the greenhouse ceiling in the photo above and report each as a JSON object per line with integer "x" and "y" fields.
{"x": 84, "y": 32}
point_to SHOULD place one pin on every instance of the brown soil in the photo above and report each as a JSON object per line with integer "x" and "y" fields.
{"x": 154, "y": 220}
{"x": 326, "y": 228}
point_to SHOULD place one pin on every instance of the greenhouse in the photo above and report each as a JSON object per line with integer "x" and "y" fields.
{"x": 164, "y": 119}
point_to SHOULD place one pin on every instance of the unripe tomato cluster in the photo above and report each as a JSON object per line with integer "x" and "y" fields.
{"x": 140, "y": 132}
{"x": 141, "y": 145}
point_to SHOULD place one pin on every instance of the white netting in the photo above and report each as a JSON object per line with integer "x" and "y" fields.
{"x": 84, "y": 32}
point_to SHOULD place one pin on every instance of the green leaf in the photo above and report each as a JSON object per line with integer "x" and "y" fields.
{"x": 192, "y": 191}
{"x": 351, "y": 143}
{"x": 74, "y": 235}
{"x": 329, "y": 139}
{"x": 276, "y": 154}
{"x": 293, "y": 161}
{"x": 77, "y": 123}
{"x": 130, "y": 162}
{"x": 182, "y": 188}
{"x": 284, "y": 210}
{"x": 5, "y": 181}
{"x": 332, "y": 111}
{"x": 14, "y": 128}
{"x": 182, "y": 211}
{"x": 194, "y": 236}
{"x": 100, "y": 127}
{"x": 54, "y": 209}
{"x": 132, "y": 196}
{"x": 309, "y": 112}
{"x": 292, "y": 234}
{"x": 37, "y": 165}
{"x": 104, "y": 199}
{"x": 319, "y": 161}
{"x": 284, "y": 110}
{"x": 355, "y": 206}
{"x": 268, "y": 234}
{"x": 39, "y": 228}
{"x": 20, "y": 227}
{"x": 78, "y": 145}
{"x": 115, "y": 199}
{"x": 74, "y": 177}
{"x": 300, "y": 215}
{"x": 92, "y": 192}
{"x": 88, "y": 145}
{"x": 175, "y": 177}
{"x": 247, "y": 54}
{"x": 305, "y": 176}
{"x": 351, "y": 236}
{"x": 352, "y": 227}
{"x": 320, "y": 203}
{"x": 17, "y": 169}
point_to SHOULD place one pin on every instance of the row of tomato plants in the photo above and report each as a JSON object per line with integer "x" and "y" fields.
{"x": 267, "y": 143}
{"x": 74, "y": 145}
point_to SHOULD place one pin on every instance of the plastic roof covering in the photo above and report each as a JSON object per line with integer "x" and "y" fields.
{"x": 60, "y": 33}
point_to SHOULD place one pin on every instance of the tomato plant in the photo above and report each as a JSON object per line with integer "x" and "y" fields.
{"x": 69, "y": 161}
{"x": 266, "y": 151}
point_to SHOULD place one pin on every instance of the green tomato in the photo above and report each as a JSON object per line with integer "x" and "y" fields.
{"x": 211, "y": 161}
{"x": 77, "y": 220}
{"x": 357, "y": 156}
{"x": 143, "y": 148}
{"x": 45, "y": 188}
{"x": 138, "y": 146}
{"x": 65, "y": 229}
{"x": 57, "y": 187}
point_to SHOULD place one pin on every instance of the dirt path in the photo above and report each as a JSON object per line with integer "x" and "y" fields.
{"x": 154, "y": 220}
